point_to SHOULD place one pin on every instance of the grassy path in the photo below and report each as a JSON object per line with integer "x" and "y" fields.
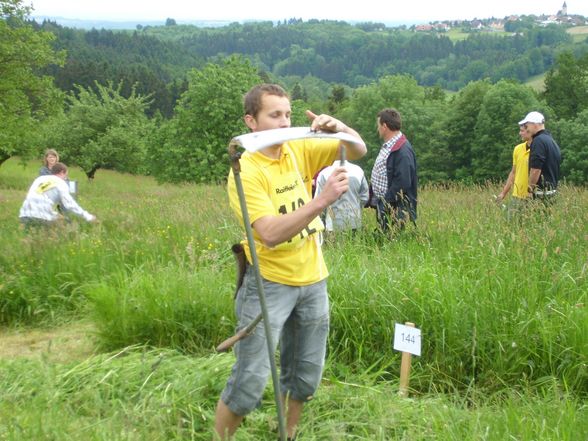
{"x": 67, "y": 343}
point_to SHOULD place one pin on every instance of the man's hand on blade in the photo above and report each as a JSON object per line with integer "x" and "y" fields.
{"x": 324, "y": 122}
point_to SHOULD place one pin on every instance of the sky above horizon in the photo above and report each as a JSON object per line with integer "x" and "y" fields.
{"x": 415, "y": 11}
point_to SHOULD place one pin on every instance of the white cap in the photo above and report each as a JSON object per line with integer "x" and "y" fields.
{"x": 533, "y": 117}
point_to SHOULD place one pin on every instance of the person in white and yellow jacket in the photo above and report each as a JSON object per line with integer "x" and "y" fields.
{"x": 45, "y": 194}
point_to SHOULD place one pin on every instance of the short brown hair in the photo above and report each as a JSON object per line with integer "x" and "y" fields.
{"x": 252, "y": 100}
{"x": 390, "y": 117}
{"x": 59, "y": 167}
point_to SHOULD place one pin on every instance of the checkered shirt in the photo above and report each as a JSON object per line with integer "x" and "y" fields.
{"x": 379, "y": 177}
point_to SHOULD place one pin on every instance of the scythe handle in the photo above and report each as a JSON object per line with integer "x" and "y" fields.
{"x": 230, "y": 342}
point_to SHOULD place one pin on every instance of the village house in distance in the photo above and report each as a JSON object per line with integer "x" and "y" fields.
{"x": 502, "y": 25}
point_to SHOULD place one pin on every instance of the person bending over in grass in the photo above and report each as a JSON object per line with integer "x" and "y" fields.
{"x": 275, "y": 179}
{"x": 46, "y": 193}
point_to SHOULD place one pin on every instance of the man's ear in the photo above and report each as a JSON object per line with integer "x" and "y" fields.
{"x": 250, "y": 121}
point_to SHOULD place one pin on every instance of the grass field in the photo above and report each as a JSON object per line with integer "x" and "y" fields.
{"x": 147, "y": 294}
{"x": 456, "y": 34}
{"x": 537, "y": 82}
{"x": 578, "y": 33}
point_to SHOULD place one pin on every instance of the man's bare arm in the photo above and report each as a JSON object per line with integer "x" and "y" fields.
{"x": 534, "y": 175}
{"x": 274, "y": 230}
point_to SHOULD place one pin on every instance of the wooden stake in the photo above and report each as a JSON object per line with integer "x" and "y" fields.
{"x": 405, "y": 370}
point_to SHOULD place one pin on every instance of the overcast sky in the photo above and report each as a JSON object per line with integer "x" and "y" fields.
{"x": 416, "y": 11}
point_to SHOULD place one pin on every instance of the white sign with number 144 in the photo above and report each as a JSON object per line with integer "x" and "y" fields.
{"x": 407, "y": 339}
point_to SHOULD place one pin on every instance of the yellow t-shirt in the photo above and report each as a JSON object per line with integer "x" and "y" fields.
{"x": 274, "y": 187}
{"x": 520, "y": 160}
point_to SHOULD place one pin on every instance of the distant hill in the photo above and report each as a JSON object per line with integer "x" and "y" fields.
{"x": 313, "y": 54}
{"x": 123, "y": 25}
{"x": 132, "y": 24}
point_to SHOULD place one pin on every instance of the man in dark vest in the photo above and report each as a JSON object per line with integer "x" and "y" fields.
{"x": 394, "y": 176}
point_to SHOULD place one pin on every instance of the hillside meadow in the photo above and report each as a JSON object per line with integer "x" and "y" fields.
{"x": 578, "y": 33}
{"x": 501, "y": 303}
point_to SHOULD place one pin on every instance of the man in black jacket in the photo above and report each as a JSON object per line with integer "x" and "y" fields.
{"x": 394, "y": 176}
{"x": 544, "y": 160}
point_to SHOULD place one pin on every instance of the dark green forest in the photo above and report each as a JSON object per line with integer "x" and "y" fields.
{"x": 157, "y": 58}
{"x": 165, "y": 100}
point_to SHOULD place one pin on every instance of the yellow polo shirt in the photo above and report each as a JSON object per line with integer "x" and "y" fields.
{"x": 274, "y": 187}
{"x": 520, "y": 160}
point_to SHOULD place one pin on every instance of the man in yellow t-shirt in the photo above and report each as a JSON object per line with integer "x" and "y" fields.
{"x": 286, "y": 225}
{"x": 518, "y": 178}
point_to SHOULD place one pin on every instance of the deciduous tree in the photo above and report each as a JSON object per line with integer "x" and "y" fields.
{"x": 103, "y": 129}
{"x": 192, "y": 147}
{"x": 401, "y": 92}
{"x": 25, "y": 97}
{"x": 572, "y": 137}
{"x": 496, "y": 129}
{"x": 460, "y": 122}
{"x": 566, "y": 85}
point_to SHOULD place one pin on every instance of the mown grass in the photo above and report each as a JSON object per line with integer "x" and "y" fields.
{"x": 501, "y": 305}
{"x": 141, "y": 394}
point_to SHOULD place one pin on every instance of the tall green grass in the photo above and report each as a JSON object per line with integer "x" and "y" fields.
{"x": 501, "y": 304}
{"x": 143, "y": 226}
{"x": 165, "y": 307}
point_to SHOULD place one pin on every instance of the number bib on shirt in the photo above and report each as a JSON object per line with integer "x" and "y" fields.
{"x": 288, "y": 193}
{"x": 46, "y": 186}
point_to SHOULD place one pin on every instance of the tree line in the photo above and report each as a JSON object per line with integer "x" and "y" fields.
{"x": 157, "y": 58}
{"x": 107, "y": 121}
{"x": 338, "y": 52}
